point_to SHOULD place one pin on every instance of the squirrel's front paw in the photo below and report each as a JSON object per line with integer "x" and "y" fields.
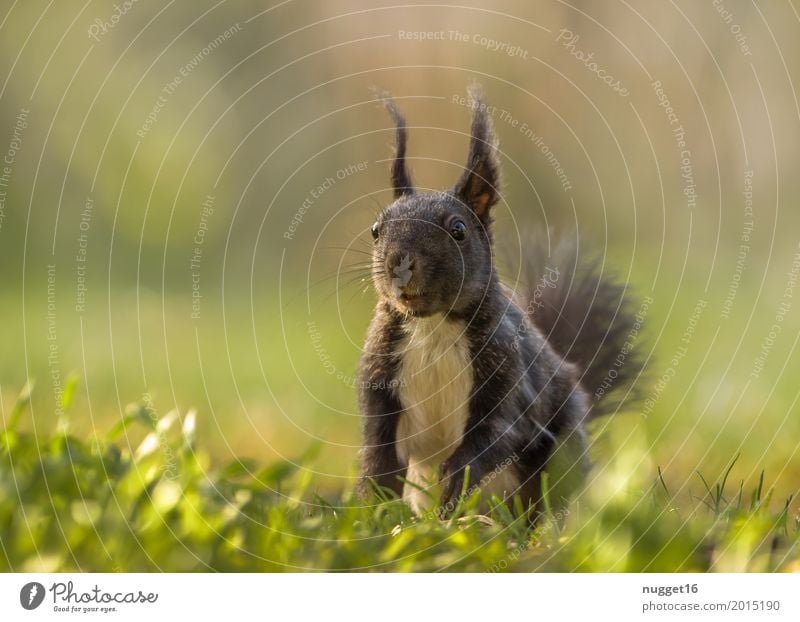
{"x": 451, "y": 477}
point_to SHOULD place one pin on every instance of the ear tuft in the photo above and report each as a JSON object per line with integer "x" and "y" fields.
{"x": 479, "y": 185}
{"x": 401, "y": 178}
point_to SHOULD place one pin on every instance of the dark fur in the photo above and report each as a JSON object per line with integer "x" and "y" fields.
{"x": 526, "y": 395}
{"x": 587, "y": 319}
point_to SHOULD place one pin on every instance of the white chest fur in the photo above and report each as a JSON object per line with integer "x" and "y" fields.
{"x": 434, "y": 385}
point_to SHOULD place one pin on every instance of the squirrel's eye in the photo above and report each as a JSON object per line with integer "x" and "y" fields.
{"x": 458, "y": 230}
{"x": 375, "y": 231}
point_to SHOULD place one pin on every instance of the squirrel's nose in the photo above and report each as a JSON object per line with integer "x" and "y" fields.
{"x": 400, "y": 260}
{"x": 399, "y": 268}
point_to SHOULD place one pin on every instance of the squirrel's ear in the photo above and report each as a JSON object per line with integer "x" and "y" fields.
{"x": 478, "y": 186}
{"x": 401, "y": 178}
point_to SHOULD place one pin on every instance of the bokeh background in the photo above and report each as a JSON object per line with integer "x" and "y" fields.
{"x": 187, "y": 191}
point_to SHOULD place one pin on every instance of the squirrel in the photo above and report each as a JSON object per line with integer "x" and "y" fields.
{"x": 461, "y": 378}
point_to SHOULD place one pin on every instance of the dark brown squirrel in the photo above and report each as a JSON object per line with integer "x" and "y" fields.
{"x": 460, "y": 376}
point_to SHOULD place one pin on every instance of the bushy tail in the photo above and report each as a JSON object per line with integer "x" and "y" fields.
{"x": 590, "y": 320}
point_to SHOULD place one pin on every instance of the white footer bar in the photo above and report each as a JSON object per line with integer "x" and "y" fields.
{"x": 388, "y": 597}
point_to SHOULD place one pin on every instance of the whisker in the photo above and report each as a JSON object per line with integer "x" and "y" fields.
{"x": 349, "y": 249}
{"x": 377, "y": 204}
{"x": 336, "y": 275}
{"x": 362, "y": 291}
{"x": 349, "y": 282}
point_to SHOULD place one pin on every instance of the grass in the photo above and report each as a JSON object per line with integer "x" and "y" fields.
{"x": 145, "y": 497}
{"x": 265, "y": 384}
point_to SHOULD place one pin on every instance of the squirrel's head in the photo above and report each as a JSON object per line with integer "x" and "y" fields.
{"x": 433, "y": 250}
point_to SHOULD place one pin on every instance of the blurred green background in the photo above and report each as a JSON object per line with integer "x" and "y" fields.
{"x": 157, "y": 160}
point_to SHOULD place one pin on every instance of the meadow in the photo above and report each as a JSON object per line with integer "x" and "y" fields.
{"x": 145, "y": 496}
{"x": 181, "y": 476}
